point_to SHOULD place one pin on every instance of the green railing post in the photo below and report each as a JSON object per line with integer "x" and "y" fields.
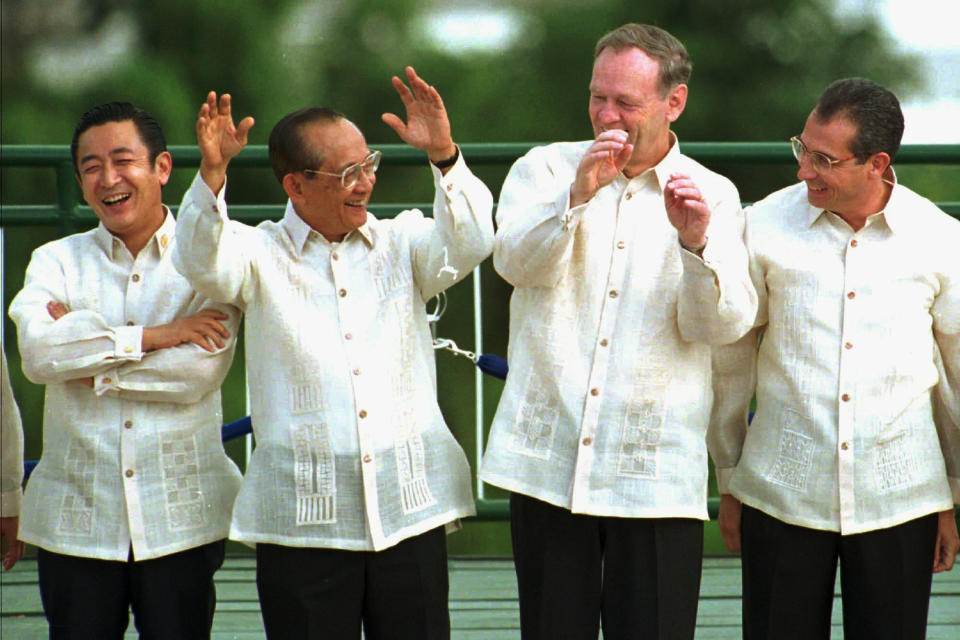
{"x": 68, "y": 199}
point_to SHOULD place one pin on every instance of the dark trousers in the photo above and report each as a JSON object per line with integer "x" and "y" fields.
{"x": 789, "y": 574}
{"x": 172, "y": 597}
{"x": 638, "y": 577}
{"x": 398, "y": 593}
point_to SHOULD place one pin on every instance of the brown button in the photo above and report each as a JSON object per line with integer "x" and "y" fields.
{"x": 629, "y": 195}
{"x": 336, "y": 256}
{"x": 363, "y": 413}
{"x": 348, "y": 336}
{"x": 604, "y": 342}
{"x": 128, "y": 473}
{"x": 613, "y": 293}
{"x": 128, "y": 349}
{"x": 845, "y": 446}
{"x": 164, "y": 241}
{"x": 587, "y": 441}
{"x": 848, "y": 345}
{"x": 854, "y": 242}
{"x": 851, "y": 295}
{"x": 356, "y": 372}
{"x": 449, "y": 187}
{"x": 367, "y": 458}
{"x": 135, "y": 277}
{"x": 129, "y": 323}
{"x": 621, "y": 244}
{"x": 128, "y": 424}
{"x": 107, "y": 380}
{"x": 845, "y": 397}
{"x": 594, "y": 391}
{"x": 343, "y": 293}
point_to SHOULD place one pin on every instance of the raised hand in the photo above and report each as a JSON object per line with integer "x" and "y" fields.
{"x": 600, "y": 165}
{"x": 219, "y": 139}
{"x": 204, "y": 329}
{"x": 427, "y": 127}
{"x": 687, "y": 211}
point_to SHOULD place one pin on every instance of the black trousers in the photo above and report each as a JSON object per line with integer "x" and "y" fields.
{"x": 789, "y": 574}
{"x": 398, "y": 593}
{"x": 173, "y": 597}
{"x": 639, "y": 578}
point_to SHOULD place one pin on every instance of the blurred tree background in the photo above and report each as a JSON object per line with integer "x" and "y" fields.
{"x": 509, "y": 70}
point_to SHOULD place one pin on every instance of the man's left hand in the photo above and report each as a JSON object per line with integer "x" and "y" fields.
{"x": 687, "y": 211}
{"x": 427, "y": 127}
{"x": 948, "y": 542}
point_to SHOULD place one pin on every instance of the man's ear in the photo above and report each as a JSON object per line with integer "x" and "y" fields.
{"x": 676, "y": 101}
{"x": 879, "y": 163}
{"x": 163, "y": 166}
{"x": 293, "y": 186}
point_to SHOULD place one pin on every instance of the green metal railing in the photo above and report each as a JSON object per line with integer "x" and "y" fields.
{"x": 69, "y": 214}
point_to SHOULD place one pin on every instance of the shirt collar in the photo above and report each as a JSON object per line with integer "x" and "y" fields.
{"x": 668, "y": 165}
{"x": 892, "y": 213}
{"x": 299, "y": 231}
{"x": 162, "y": 239}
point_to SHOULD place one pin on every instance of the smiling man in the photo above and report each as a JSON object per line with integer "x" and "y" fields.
{"x": 130, "y": 503}
{"x": 355, "y": 476}
{"x": 855, "y": 445}
{"x": 627, "y": 263}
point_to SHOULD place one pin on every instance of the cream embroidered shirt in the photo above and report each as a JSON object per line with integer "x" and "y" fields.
{"x": 11, "y": 448}
{"x": 860, "y": 350}
{"x": 137, "y": 460}
{"x": 352, "y": 451}
{"x": 606, "y": 404}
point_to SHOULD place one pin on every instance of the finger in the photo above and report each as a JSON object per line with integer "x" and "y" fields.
{"x": 623, "y": 157}
{"x": 201, "y": 341}
{"x": 244, "y": 128}
{"x": 405, "y": 95}
{"x": 419, "y": 87}
{"x": 395, "y": 123}
{"x": 613, "y": 134}
{"x": 224, "y": 109}
{"x": 215, "y": 338}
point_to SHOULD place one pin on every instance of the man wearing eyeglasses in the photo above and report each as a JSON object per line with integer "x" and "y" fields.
{"x": 355, "y": 477}
{"x": 854, "y": 450}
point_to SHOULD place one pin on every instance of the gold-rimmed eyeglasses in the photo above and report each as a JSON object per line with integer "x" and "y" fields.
{"x": 351, "y": 175}
{"x": 820, "y": 161}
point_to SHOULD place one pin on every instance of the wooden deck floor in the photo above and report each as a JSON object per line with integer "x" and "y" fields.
{"x": 483, "y": 602}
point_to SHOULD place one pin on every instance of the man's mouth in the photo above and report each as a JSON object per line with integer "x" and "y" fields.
{"x": 116, "y": 199}
{"x": 357, "y": 203}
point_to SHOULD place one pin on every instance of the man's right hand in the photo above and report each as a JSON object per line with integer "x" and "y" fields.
{"x": 219, "y": 139}
{"x": 729, "y": 522}
{"x": 600, "y": 165}
{"x": 204, "y": 329}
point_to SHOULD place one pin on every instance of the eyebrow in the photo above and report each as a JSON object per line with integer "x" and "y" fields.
{"x": 112, "y": 152}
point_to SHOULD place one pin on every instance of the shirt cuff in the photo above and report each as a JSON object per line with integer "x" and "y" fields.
{"x": 723, "y": 479}
{"x": 104, "y": 382}
{"x": 10, "y": 503}
{"x": 128, "y": 343}
{"x": 954, "y": 489}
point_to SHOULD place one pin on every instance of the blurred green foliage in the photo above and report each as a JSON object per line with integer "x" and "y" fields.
{"x": 758, "y": 68}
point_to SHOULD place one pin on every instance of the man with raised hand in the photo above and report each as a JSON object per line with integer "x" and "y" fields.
{"x": 130, "y": 503}
{"x": 355, "y": 477}
{"x": 855, "y": 445}
{"x": 627, "y": 262}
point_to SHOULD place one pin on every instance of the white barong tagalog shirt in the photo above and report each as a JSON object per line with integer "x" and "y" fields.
{"x": 11, "y": 448}
{"x": 857, "y": 376}
{"x": 352, "y": 451}
{"x": 606, "y": 404}
{"x": 136, "y": 461}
